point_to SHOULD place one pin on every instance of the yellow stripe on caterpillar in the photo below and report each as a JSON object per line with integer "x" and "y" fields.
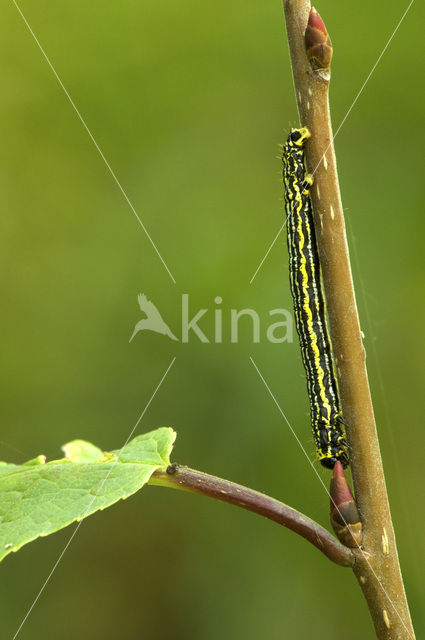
{"x": 309, "y": 306}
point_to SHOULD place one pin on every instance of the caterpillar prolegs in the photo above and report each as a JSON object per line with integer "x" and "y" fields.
{"x": 309, "y": 307}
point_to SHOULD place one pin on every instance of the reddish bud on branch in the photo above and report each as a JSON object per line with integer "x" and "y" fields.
{"x": 317, "y": 42}
{"x": 345, "y": 518}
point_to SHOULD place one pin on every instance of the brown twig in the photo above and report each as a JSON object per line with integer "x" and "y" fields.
{"x": 180, "y": 477}
{"x": 377, "y": 568}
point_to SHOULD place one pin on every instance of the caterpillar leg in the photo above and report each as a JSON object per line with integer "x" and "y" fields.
{"x": 341, "y": 456}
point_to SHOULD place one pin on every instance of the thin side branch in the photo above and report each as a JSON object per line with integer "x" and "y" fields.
{"x": 180, "y": 477}
{"x": 379, "y": 575}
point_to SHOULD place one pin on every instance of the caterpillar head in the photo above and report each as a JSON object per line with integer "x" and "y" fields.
{"x": 299, "y": 136}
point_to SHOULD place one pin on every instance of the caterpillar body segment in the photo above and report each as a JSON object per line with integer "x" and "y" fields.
{"x": 309, "y": 306}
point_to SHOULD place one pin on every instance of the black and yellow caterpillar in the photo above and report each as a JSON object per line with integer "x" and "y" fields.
{"x": 309, "y": 306}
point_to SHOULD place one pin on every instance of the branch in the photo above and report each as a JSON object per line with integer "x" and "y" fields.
{"x": 180, "y": 477}
{"x": 385, "y": 597}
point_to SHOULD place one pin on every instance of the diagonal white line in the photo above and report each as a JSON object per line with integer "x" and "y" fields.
{"x": 339, "y": 128}
{"x": 83, "y": 122}
{"x": 327, "y": 492}
{"x": 286, "y": 420}
{"x": 269, "y": 249}
{"x": 371, "y": 72}
{"x": 91, "y": 503}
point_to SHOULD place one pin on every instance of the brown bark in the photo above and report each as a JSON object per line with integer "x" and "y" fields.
{"x": 377, "y": 567}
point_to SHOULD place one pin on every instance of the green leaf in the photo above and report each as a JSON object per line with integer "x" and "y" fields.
{"x": 38, "y": 498}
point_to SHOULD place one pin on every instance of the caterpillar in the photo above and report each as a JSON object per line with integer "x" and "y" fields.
{"x": 309, "y": 306}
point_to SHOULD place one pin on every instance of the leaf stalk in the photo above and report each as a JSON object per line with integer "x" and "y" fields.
{"x": 186, "y": 479}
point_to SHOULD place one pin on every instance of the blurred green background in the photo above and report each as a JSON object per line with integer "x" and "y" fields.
{"x": 189, "y": 102}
